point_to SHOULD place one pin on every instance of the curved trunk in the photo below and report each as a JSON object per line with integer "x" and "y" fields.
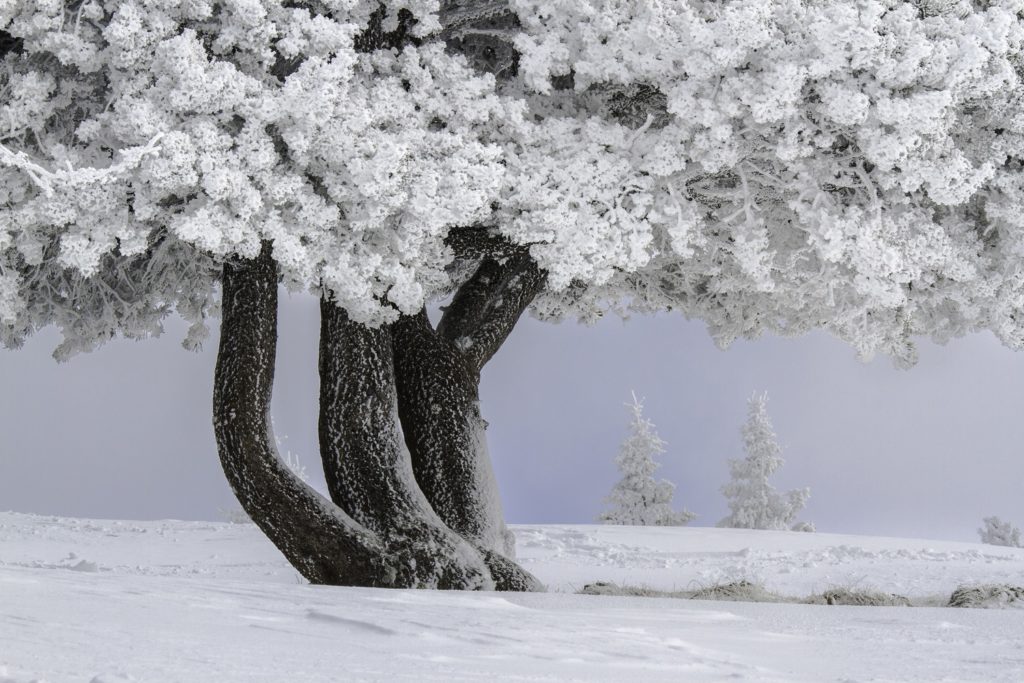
{"x": 367, "y": 467}
{"x": 319, "y": 541}
{"x": 438, "y": 375}
{"x": 323, "y": 543}
{"x": 438, "y": 379}
{"x": 383, "y": 531}
{"x": 439, "y": 406}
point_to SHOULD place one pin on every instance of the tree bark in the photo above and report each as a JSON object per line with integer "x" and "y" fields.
{"x": 439, "y": 407}
{"x": 488, "y": 305}
{"x": 323, "y": 543}
{"x": 439, "y": 488}
{"x": 366, "y": 464}
{"x": 325, "y": 546}
{"x": 382, "y": 531}
{"x": 438, "y": 379}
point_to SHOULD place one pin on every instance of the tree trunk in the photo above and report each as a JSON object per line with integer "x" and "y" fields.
{"x": 325, "y": 546}
{"x": 383, "y": 531}
{"x": 323, "y": 543}
{"x": 439, "y": 406}
{"x": 366, "y": 464}
{"x": 438, "y": 378}
{"x": 438, "y": 374}
{"x": 372, "y": 380}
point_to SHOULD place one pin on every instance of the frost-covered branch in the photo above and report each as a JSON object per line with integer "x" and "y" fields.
{"x": 763, "y": 166}
{"x": 488, "y": 305}
{"x": 46, "y": 180}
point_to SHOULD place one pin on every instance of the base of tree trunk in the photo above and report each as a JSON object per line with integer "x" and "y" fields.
{"x": 508, "y": 575}
{"x": 439, "y": 408}
{"x": 324, "y": 543}
{"x": 367, "y": 466}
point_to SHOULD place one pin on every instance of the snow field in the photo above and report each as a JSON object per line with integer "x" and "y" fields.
{"x": 784, "y": 562}
{"x": 106, "y": 602}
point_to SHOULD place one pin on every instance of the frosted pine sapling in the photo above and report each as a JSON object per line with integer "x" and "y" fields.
{"x": 638, "y": 498}
{"x": 998, "y": 532}
{"x": 753, "y": 501}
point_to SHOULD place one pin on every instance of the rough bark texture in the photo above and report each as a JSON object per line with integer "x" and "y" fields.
{"x": 483, "y": 32}
{"x": 439, "y": 408}
{"x": 323, "y": 543}
{"x": 366, "y": 464}
{"x": 319, "y": 541}
{"x": 508, "y": 575}
{"x": 438, "y": 379}
{"x": 487, "y": 307}
{"x": 440, "y": 412}
{"x": 384, "y": 530}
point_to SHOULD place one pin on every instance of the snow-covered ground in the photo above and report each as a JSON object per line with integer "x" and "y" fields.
{"x": 109, "y": 601}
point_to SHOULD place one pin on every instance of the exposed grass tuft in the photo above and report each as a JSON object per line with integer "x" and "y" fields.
{"x": 742, "y": 591}
{"x": 983, "y": 596}
{"x": 737, "y": 591}
{"x": 606, "y": 588}
{"x": 846, "y": 596}
{"x": 987, "y": 596}
{"x": 748, "y": 591}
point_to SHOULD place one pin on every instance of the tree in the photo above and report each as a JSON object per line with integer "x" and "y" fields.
{"x": 753, "y": 501}
{"x": 762, "y": 165}
{"x": 998, "y": 532}
{"x": 638, "y": 498}
{"x": 193, "y": 176}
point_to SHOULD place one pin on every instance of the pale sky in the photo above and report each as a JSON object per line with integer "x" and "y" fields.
{"x": 125, "y": 432}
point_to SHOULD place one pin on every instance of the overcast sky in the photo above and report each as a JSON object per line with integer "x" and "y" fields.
{"x": 125, "y": 432}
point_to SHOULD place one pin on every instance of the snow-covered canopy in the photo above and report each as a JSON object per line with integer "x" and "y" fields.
{"x": 760, "y": 164}
{"x": 852, "y": 165}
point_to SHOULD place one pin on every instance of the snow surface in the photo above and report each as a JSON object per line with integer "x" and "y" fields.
{"x": 114, "y": 601}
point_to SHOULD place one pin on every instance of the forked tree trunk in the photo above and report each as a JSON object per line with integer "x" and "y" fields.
{"x": 437, "y": 403}
{"x": 368, "y": 468}
{"x": 438, "y": 373}
{"x": 366, "y": 464}
{"x": 438, "y": 377}
{"x": 323, "y": 543}
{"x": 440, "y": 415}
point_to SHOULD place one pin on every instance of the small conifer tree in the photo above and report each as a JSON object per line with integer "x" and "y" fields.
{"x": 753, "y": 501}
{"x": 998, "y": 532}
{"x": 638, "y": 498}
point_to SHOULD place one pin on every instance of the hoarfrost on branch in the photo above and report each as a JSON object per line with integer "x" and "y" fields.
{"x": 762, "y": 165}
